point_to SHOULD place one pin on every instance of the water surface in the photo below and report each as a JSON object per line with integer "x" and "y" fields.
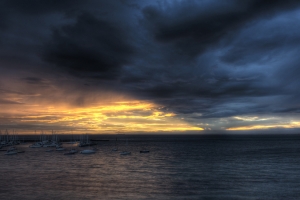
{"x": 177, "y": 167}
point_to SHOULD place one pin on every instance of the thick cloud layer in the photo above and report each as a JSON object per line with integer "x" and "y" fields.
{"x": 90, "y": 47}
{"x": 202, "y": 60}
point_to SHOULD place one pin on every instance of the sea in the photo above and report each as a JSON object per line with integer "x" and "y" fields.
{"x": 207, "y": 167}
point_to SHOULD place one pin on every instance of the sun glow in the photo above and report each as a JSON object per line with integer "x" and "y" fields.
{"x": 292, "y": 124}
{"x": 121, "y": 117}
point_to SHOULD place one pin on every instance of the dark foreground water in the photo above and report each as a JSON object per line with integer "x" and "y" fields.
{"x": 177, "y": 167}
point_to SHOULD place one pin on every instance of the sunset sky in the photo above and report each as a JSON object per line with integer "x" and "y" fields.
{"x": 145, "y": 66}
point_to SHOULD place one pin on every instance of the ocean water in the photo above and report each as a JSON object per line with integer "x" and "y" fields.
{"x": 177, "y": 167}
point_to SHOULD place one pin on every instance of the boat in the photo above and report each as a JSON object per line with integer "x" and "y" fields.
{"x": 144, "y": 151}
{"x": 88, "y": 151}
{"x": 116, "y": 147}
{"x": 72, "y": 141}
{"x": 36, "y": 145}
{"x": 84, "y": 141}
{"x": 125, "y": 152}
{"x": 72, "y": 151}
{"x": 60, "y": 149}
{"x": 50, "y": 145}
{"x": 11, "y": 151}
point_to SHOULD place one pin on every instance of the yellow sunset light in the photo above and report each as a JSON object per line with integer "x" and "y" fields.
{"x": 262, "y": 127}
{"x": 126, "y": 116}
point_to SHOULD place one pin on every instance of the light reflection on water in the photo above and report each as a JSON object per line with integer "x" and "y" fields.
{"x": 184, "y": 168}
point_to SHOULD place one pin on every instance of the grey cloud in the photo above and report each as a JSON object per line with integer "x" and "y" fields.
{"x": 91, "y": 47}
{"x": 36, "y": 7}
{"x": 193, "y": 26}
{"x": 217, "y": 58}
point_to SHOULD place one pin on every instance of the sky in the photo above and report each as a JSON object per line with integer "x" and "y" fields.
{"x": 138, "y": 66}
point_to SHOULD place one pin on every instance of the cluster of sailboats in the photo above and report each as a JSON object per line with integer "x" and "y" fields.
{"x": 8, "y": 140}
{"x": 52, "y": 143}
{"x": 84, "y": 141}
{"x": 47, "y": 141}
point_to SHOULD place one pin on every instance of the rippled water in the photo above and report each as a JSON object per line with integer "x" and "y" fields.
{"x": 177, "y": 167}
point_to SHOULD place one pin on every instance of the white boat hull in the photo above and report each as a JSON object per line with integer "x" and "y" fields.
{"x": 88, "y": 151}
{"x": 11, "y": 153}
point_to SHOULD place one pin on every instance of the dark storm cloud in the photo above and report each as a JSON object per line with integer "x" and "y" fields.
{"x": 262, "y": 43}
{"x": 216, "y": 88}
{"x": 210, "y": 38}
{"x": 288, "y": 110}
{"x": 33, "y": 7}
{"x": 198, "y": 59}
{"x": 193, "y": 26}
{"x": 20, "y": 13}
{"x": 91, "y": 47}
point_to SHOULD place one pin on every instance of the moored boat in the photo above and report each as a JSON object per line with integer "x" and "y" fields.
{"x": 72, "y": 151}
{"x": 125, "y": 153}
{"x": 116, "y": 147}
{"x": 144, "y": 151}
{"x": 36, "y": 145}
{"x": 60, "y": 149}
{"x": 88, "y": 151}
{"x": 11, "y": 151}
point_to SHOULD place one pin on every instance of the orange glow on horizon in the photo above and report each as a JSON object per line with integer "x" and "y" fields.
{"x": 264, "y": 127}
{"x": 118, "y": 117}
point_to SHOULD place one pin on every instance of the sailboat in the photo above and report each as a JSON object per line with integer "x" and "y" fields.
{"x": 71, "y": 152}
{"x": 84, "y": 141}
{"x": 60, "y": 148}
{"x": 116, "y": 148}
{"x": 144, "y": 150}
{"x": 125, "y": 152}
{"x": 73, "y": 141}
{"x": 11, "y": 151}
{"x": 87, "y": 151}
{"x": 36, "y": 144}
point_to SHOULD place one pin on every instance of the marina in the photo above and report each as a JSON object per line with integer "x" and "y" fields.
{"x": 177, "y": 167}
{"x": 86, "y": 144}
